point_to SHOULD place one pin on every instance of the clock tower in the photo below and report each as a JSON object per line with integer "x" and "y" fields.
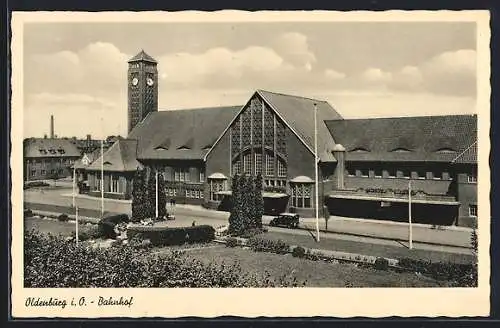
{"x": 142, "y": 88}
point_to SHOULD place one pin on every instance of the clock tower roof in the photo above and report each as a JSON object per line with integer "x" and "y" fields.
{"x": 142, "y": 56}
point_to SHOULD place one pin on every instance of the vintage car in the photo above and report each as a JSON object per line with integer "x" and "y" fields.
{"x": 289, "y": 220}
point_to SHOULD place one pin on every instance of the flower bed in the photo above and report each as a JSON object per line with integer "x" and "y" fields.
{"x": 51, "y": 262}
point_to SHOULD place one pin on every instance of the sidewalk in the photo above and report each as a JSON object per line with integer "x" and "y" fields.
{"x": 448, "y": 236}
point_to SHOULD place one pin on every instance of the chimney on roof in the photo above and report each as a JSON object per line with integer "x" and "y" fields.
{"x": 52, "y": 126}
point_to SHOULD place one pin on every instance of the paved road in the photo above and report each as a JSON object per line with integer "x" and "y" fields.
{"x": 359, "y": 230}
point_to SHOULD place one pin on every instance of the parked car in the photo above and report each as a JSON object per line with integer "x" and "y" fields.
{"x": 289, "y": 220}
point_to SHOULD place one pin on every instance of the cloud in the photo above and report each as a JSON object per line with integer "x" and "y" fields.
{"x": 376, "y": 76}
{"x": 185, "y": 68}
{"x": 97, "y": 68}
{"x": 294, "y": 47}
{"x": 331, "y": 74}
{"x": 451, "y": 72}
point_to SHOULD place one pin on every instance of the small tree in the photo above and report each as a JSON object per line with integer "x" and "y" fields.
{"x": 162, "y": 196}
{"x": 259, "y": 201}
{"x": 151, "y": 195}
{"x": 138, "y": 196}
{"x": 235, "y": 223}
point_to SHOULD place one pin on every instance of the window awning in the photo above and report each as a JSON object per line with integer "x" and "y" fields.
{"x": 394, "y": 199}
{"x": 302, "y": 179}
{"x": 217, "y": 175}
{"x": 264, "y": 194}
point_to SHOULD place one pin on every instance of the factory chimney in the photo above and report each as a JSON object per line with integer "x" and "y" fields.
{"x": 51, "y": 126}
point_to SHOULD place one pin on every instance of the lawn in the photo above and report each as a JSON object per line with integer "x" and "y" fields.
{"x": 51, "y": 226}
{"x": 368, "y": 248}
{"x": 315, "y": 273}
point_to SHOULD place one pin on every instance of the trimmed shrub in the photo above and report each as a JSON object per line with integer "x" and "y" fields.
{"x": 231, "y": 242}
{"x": 464, "y": 275}
{"x": 259, "y": 244}
{"x": 166, "y": 236}
{"x": 63, "y": 217}
{"x": 299, "y": 252}
{"x": 52, "y": 262}
{"x": 382, "y": 263}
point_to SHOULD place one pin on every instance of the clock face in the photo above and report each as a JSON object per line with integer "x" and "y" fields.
{"x": 150, "y": 81}
{"x": 135, "y": 81}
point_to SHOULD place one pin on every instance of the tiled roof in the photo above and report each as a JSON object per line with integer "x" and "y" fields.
{"x": 120, "y": 157}
{"x": 142, "y": 56}
{"x": 298, "y": 113}
{"x": 426, "y": 138}
{"x": 468, "y": 156}
{"x": 181, "y": 134}
{"x": 47, "y": 147}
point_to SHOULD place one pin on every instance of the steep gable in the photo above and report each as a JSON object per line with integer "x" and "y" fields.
{"x": 180, "y": 134}
{"x": 120, "y": 157}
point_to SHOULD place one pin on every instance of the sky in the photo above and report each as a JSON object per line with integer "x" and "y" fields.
{"x": 77, "y": 71}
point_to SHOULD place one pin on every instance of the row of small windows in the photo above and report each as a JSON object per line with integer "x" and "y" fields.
{"x": 393, "y": 173}
{"x": 406, "y": 174}
{"x": 267, "y": 168}
{"x": 33, "y": 172}
{"x": 51, "y": 161}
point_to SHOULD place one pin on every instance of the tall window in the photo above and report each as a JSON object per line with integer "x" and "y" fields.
{"x": 237, "y": 166}
{"x": 97, "y": 185}
{"x": 114, "y": 183}
{"x": 258, "y": 163}
{"x": 377, "y": 173}
{"x": 247, "y": 164}
{"x": 202, "y": 175}
{"x": 391, "y": 172}
{"x": 182, "y": 174}
{"x": 281, "y": 169}
{"x": 215, "y": 187}
{"x": 301, "y": 195}
{"x": 473, "y": 210}
{"x": 351, "y": 171}
{"x": 269, "y": 165}
{"x": 472, "y": 176}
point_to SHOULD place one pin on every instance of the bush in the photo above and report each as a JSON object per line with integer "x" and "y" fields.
{"x": 87, "y": 232}
{"x": 464, "y": 275}
{"x": 259, "y": 244}
{"x": 107, "y": 225}
{"x": 166, "y": 236}
{"x": 231, "y": 242}
{"x": 63, "y": 218}
{"x": 52, "y": 262}
{"x": 382, "y": 263}
{"x": 299, "y": 252}
{"x": 28, "y": 213}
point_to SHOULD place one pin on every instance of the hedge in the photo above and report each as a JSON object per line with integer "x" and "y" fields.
{"x": 53, "y": 262}
{"x": 463, "y": 275}
{"x": 108, "y": 223}
{"x": 167, "y": 236}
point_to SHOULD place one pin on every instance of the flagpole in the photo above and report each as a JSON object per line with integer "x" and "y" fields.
{"x": 74, "y": 181}
{"x": 410, "y": 232}
{"x": 76, "y": 222}
{"x": 102, "y": 178}
{"x": 156, "y": 193}
{"x": 316, "y": 171}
